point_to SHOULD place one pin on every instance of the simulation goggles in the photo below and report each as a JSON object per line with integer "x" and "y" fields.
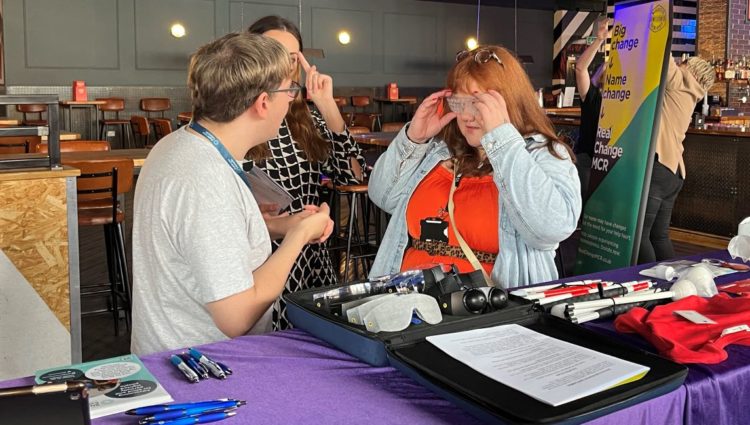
{"x": 393, "y": 312}
{"x": 462, "y": 104}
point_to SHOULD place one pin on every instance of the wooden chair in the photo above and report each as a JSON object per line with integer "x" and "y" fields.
{"x": 19, "y": 144}
{"x": 341, "y": 102}
{"x": 184, "y": 118}
{"x": 392, "y": 126}
{"x": 33, "y": 109}
{"x": 141, "y": 129}
{"x": 78, "y": 146}
{"x": 162, "y": 127}
{"x": 100, "y": 183}
{"x": 158, "y": 105}
{"x": 115, "y": 105}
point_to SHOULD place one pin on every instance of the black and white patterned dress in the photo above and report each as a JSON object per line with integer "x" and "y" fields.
{"x": 288, "y": 165}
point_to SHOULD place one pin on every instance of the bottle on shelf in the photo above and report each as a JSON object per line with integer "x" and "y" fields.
{"x": 729, "y": 70}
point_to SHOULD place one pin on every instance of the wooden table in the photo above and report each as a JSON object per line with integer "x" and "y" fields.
{"x": 93, "y": 111}
{"x": 9, "y": 122}
{"x": 380, "y": 138}
{"x": 65, "y": 135}
{"x": 138, "y": 156}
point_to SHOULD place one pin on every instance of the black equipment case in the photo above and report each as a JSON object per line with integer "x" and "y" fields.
{"x": 483, "y": 397}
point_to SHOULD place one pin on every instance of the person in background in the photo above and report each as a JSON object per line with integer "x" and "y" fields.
{"x": 517, "y": 193}
{"x": 202, "y": 264}
{"x": 686, "y": 84}
{"x": 589, "y": 89}
{"x": 309, "y": 143}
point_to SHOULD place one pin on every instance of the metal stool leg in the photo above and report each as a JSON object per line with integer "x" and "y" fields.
{"x": 352, "y": 220}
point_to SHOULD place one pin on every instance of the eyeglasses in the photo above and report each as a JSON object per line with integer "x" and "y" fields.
{"x": 481, "y": 56}
{"x": 462, "y": 105}
{"x": 292, "y": 91}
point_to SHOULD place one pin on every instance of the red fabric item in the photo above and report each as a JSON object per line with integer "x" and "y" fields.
{"x": 684, "y": 341}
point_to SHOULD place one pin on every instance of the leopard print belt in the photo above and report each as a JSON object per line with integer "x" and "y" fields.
{"x": 441, "y": 248}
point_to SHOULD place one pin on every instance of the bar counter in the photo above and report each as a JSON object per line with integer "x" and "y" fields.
{"x": 716, "y": 193}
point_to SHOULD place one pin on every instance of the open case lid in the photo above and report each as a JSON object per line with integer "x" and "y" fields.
{"x": 428, "y": 364}
{"x": 61, "y": 404}
{"x": 511, "y": 313}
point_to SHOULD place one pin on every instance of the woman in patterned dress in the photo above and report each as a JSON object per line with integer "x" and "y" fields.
{"x": 311, "y": 142}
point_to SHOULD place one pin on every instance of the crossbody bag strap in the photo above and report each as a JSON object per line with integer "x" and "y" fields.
{"x": 461, "y": 242}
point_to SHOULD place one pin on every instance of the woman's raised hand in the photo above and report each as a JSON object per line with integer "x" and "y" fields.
{"x": 319, "y": 86}
{"x": 426, "y": 122}
{"x": 493, "y": 111}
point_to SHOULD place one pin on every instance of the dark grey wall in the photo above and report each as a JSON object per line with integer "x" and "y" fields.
{"x": 127, "y": 42}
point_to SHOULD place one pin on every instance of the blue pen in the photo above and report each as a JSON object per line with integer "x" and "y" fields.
{"x": 193, "y": 411}
{"x": 215, "y": 369}
{"x": 156, "y": 408}
{"x": 185, "y": 369}
{"x": 197, "y": 367}
{"x": 226, "y": 368}
{"x": 202, "y": 419}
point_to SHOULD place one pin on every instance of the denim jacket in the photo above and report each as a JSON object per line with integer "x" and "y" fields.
{"x": 539, "y": 201}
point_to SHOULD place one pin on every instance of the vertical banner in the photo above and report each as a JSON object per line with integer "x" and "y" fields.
{"x": 625, "y": 139}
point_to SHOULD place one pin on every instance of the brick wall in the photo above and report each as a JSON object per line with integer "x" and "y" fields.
{"x": 739, "y": 45}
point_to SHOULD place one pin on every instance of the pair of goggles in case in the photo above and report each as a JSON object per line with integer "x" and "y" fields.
{"x": 393, "y": 312}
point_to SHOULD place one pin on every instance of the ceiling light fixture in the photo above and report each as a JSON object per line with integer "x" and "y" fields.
{"x": 177, "y": 30}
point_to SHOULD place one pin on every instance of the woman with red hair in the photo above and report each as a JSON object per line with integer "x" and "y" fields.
{"x": 478, "y": 172}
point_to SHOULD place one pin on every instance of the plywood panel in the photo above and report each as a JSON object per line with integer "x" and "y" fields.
{"x": 33, "y": 219}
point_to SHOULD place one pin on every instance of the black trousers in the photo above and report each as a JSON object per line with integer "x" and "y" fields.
{"x": 663, "y": 191}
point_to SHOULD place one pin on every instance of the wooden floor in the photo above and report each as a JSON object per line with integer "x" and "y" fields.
{"x": 99, "y": 340}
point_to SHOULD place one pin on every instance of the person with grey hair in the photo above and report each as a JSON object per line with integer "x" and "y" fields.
{"x": 202, "y": 264}
{"x": 686, "y": 84}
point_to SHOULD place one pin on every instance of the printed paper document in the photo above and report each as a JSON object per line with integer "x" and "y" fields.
{"x": 548, "y": 369}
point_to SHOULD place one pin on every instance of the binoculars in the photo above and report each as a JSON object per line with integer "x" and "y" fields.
{"x": 463, "y": 294}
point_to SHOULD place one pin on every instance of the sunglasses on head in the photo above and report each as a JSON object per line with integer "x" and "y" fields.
{"x": 481, "y": 56}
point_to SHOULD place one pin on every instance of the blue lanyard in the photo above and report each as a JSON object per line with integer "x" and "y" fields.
{"x": 222, "y": 150}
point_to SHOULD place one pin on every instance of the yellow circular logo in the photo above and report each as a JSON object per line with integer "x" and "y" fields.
{"x": 658, "y": 18}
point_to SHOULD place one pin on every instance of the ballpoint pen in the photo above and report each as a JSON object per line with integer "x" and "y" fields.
{"x": 193, "y": 411}
{"x": 149, "y": 410}
{"x": 202, "y": 419}
{"x": 185, "y": 369}
{"x": 225, "y": 368}
{"x": 201, "y": 370}
{"x": 215, "y": 369}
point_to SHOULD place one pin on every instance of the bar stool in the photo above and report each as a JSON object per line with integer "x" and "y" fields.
{"x": 19, "y": 144}
{"x": 99, "y": 185}
{"x": 33, "y": 109}
{"x": 116, "y": 105}
{"x": 141, "y": 129}
{"x": 352, "y": 238}
{"x": 362, "y": 118}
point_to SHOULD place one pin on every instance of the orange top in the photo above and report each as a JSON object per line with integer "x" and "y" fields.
{"x": 476, "y": 212}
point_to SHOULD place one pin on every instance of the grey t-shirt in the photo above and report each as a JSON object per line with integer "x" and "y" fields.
{"x": 197, "y": 237}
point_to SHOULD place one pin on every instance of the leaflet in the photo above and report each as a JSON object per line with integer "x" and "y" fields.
{"x": 266, "y": 190}
{"x": 552, "y": 371}
{"x": 114, "y": 385}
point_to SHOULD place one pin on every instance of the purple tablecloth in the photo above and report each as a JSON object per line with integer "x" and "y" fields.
{"x": 292, "y": 377}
